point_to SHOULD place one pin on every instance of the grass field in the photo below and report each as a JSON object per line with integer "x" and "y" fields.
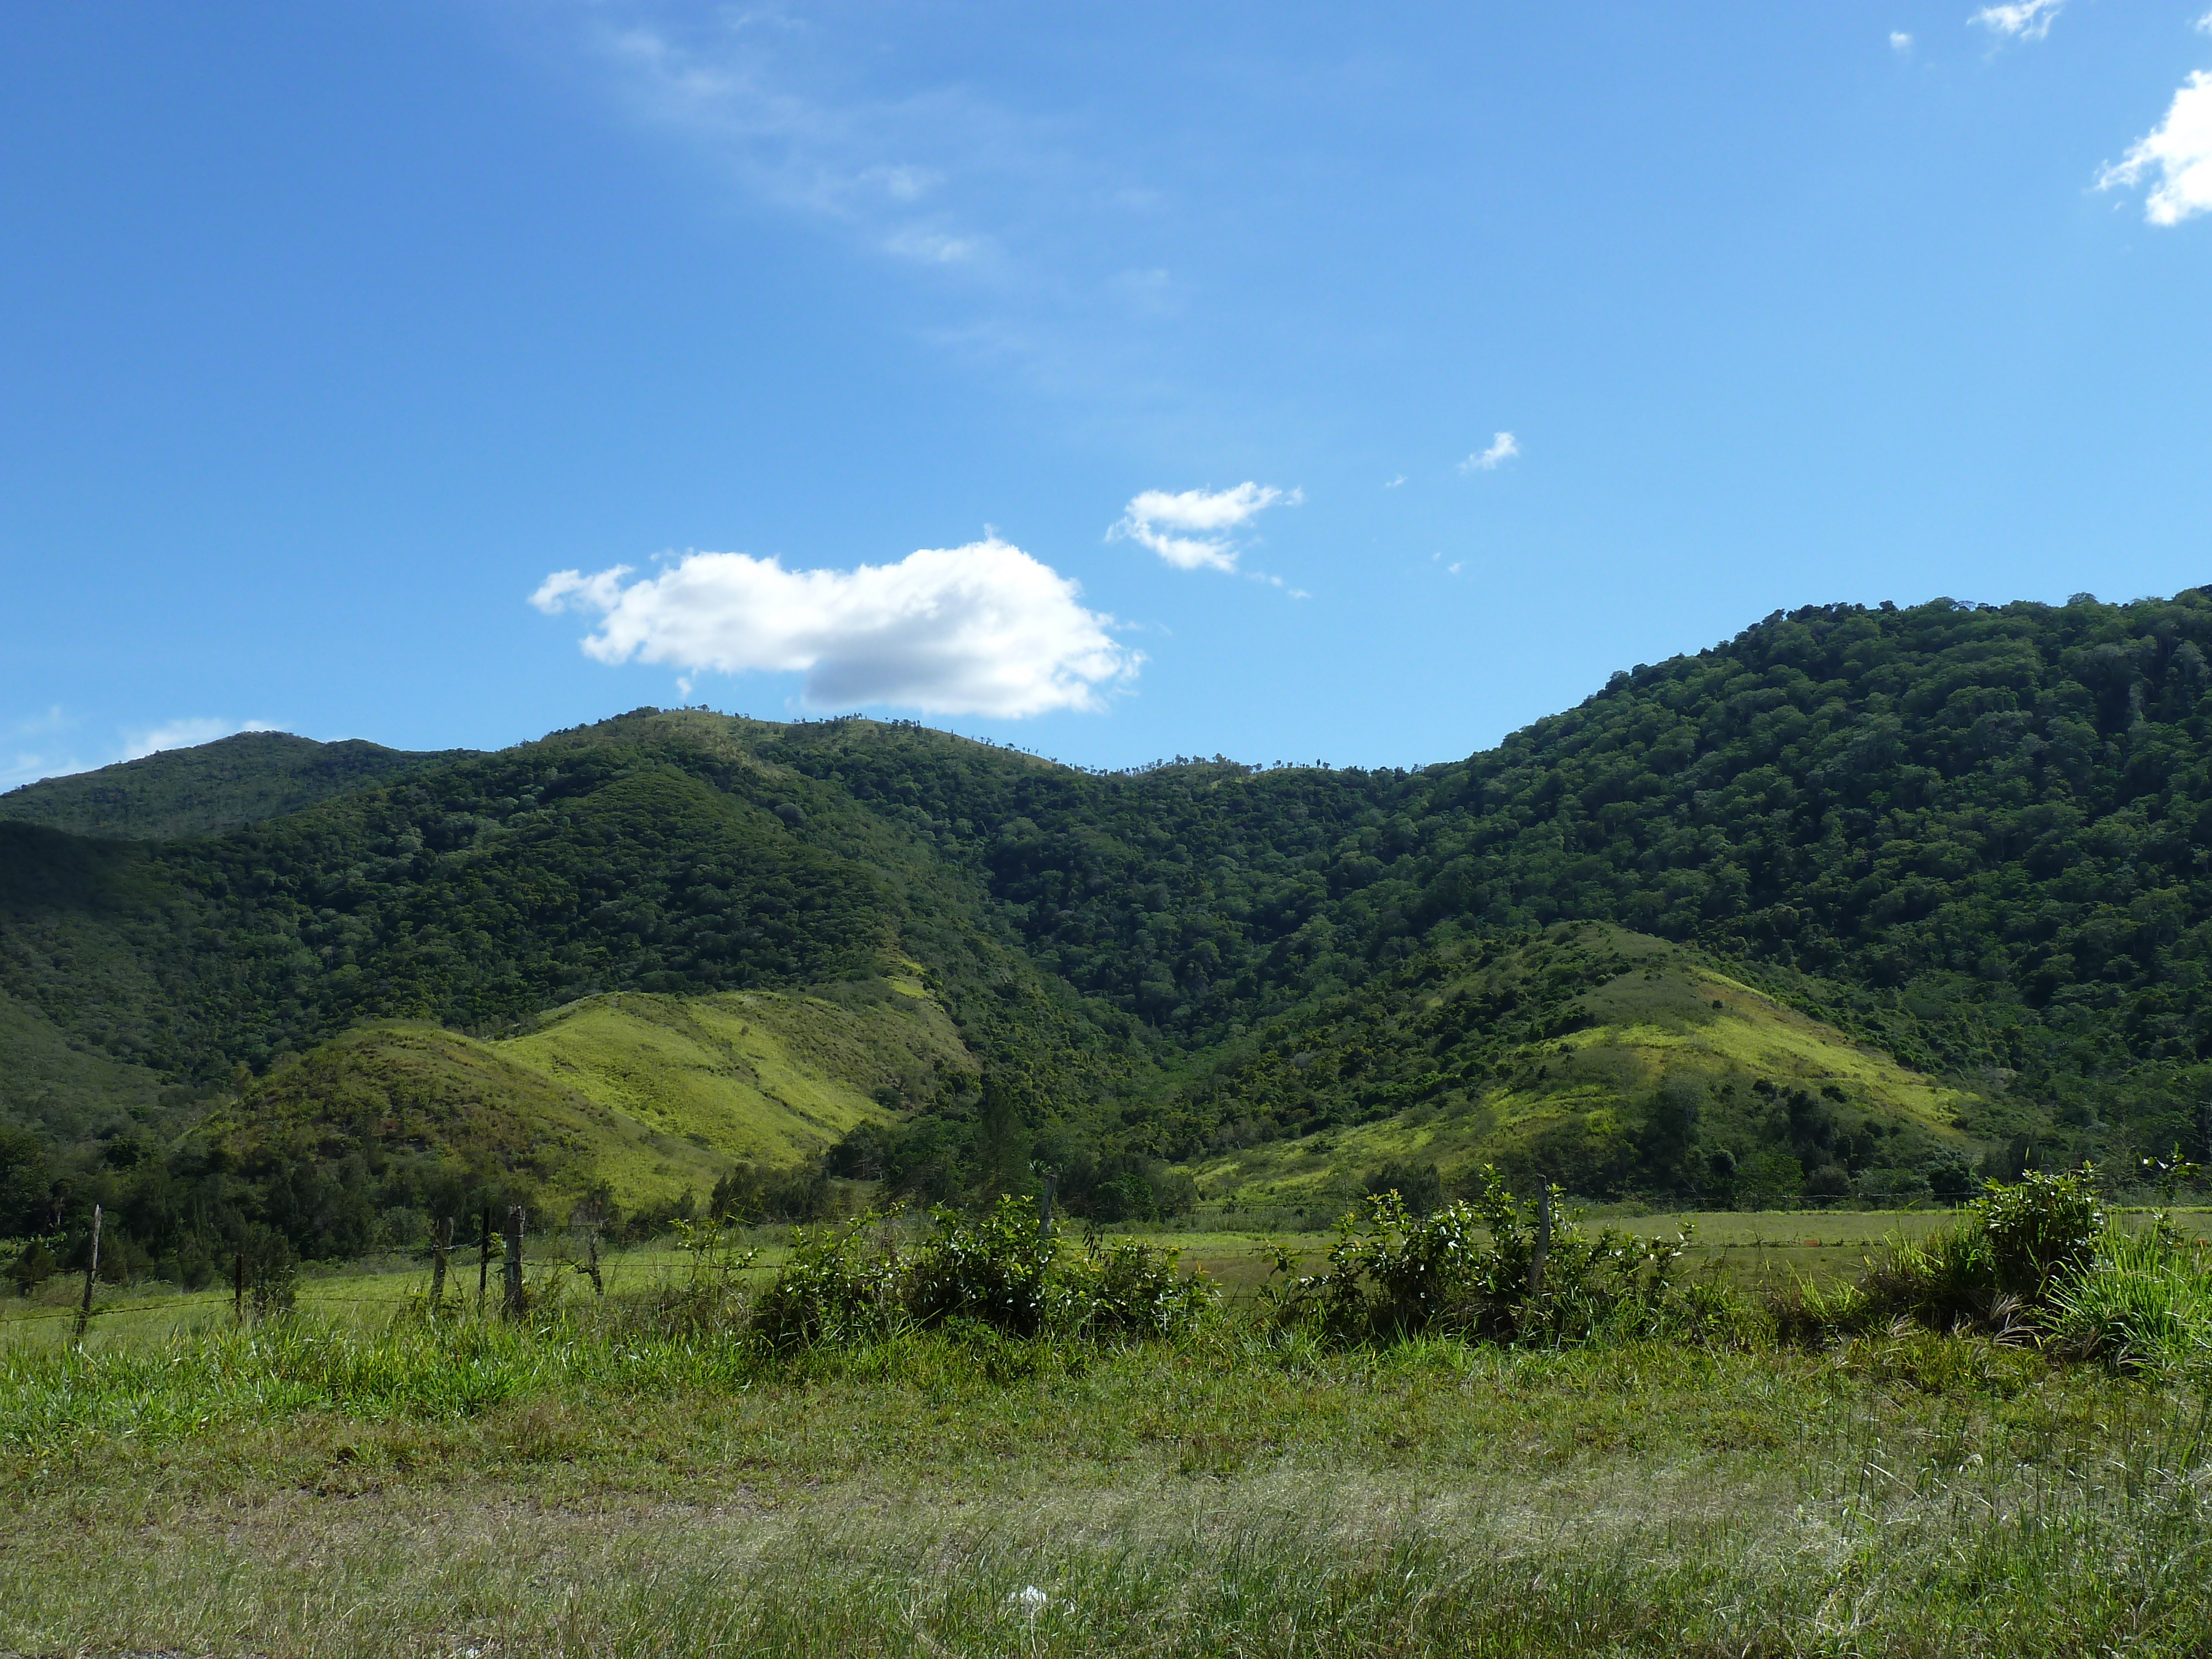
{"x": 1753, "y": 1250}
{"x": 596, "y": 1479}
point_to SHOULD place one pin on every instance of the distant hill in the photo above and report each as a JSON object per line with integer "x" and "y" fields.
{"x": 1596, "y": 1059}
{"x": 1945, "y": 869}
{"x": 212, "y": 787}
{"x": 631, "y": 1099}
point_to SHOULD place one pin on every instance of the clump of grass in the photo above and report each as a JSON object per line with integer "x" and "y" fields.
{"x": 2143, "y": 1302}
{"x": 2037, "y": 1261}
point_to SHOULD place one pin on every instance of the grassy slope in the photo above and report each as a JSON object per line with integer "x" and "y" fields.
{"x": 654, "y": 1094}
{"x": 1653, "y": 1022}
{"x": 758, "y": 1075}
{"x": 212, "y": 787}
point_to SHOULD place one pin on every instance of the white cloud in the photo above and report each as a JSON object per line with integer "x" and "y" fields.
{"x": 1191, "y": 529}
{"x": 1503, "y": 448}
{"x": 1392, "y": 483}
{"x": 187, "y": 733}
{"x": 2023, "y": 19}
{"x": 2180, "y": 149}
{"x": 980, "y": 629}
{"x": 772, "y": 103}
{"x": 1899, "y": 41}
{"x": 2204, "y": 24}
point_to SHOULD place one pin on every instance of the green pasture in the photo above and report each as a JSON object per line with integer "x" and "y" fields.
{"x": 1752, "y": 1250}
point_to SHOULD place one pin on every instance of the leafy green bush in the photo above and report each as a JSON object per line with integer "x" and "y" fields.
{"x": 2039, "y": 1227}
{"x": 833, "y": 1288}
{"x": 997, "y": 1270}
{"x": 1124, "y": 1288}
{"x": 1469, "y": 1269}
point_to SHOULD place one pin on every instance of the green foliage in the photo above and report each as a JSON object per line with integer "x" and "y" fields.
{"x": 2037, "y": 1261}
{"x": 272, "y": 1272}
{"x": 833, "y": 1289}
{"x": 1470, "y": 1269}
{"x": 2143, "y": 1302}
{"x": 2038, "y": 1227}
{"x": 997, "y": 1271}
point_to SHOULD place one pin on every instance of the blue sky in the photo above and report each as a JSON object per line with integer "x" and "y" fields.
{"x": 1296, "y": 383}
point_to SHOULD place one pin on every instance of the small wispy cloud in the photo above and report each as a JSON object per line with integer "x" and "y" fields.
{"x": 2022, "y": 20}
{"x": 1899, "y": 41}
{"x": 1194, "y": 529}
{"x": 980, "y": 629}
{"x": 1503, "y": 448}
{"x": 1392, "y": 483}
{"x": 2179, "y": 150}
{"x": 2204, "y": 24}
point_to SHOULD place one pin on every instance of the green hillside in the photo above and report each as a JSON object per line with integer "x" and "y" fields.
{"x": 212, "y": 787}
{"x": 632, "y": 1097}
{"x": 1970, "y": 839}
{"x": 1608, "y": 1062}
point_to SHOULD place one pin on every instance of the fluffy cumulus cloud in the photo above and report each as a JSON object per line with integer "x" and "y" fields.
{"x": 1196, "y": 529}
{"x": 2023, "y": 19}
{"x": 1503, "y": 446}
{"x": 2179, "y": 152}
{"x": 980, "y": 629}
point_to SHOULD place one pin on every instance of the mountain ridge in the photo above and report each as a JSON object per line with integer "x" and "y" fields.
{"x": 209, "y": 787}
{"x": 1979, "y": 838}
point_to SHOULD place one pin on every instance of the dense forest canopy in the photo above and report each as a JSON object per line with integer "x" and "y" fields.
{"x": 1977, "y": 836}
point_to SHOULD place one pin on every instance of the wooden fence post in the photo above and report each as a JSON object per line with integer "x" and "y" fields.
{"x": 238, "y": 1287}
{"x": 1543, "y": 1241}
{"x": 443, "y": 1248}
{"x": 511, "y": 1303}
{"x": 91, "y": 1273}
{"x": 592, "y": 1261}
{"x": 483, "y": 1262}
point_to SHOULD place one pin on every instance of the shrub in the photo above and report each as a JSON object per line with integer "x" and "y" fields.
{"x": 1467, "y": 1269}
{"x": 1126, "y": 1288}
{"x": 832, "y": 1288}
{"x": 997, "y": 1271}
{"x": 34, "y": 1264}
{"x": 2039, "y": 1227}
{"x": 273, "y": 1272}
{"x": 2000, "y": 1269}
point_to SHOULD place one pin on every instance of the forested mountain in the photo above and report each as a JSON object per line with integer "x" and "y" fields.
{"x": 216, "y": 787}
{"x": 1976, "y": 838}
